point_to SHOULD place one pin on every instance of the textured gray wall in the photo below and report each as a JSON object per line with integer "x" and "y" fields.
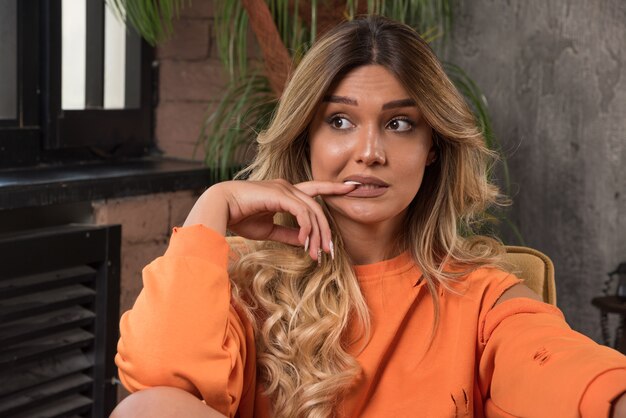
{"x": 554, "y": 75}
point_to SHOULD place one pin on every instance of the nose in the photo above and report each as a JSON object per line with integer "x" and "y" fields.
{"x": 371, "y": 148}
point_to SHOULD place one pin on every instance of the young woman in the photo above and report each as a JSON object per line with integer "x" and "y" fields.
{"x": 354, "y": 294}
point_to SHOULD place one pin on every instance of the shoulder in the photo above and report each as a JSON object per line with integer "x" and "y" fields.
{"x": 483, "y": 279}
{"x": 519, "y": 290}
{"x": 492, "y": 277}
{"x": 490, "y": 286}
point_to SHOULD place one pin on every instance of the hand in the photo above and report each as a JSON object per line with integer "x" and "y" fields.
{"x": 248, "y": 207}
{"x": 619, "y": 407}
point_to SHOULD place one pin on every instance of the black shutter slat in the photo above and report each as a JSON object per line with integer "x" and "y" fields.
{"x": 67, "y": 406}
{"x": 35, "y": 303}
{"x": 45, "y": 370}
{"x": 38, "y": 347}
{"x": 42, "y": 394}
{"x": 59, "y": 247}
{"x": 59, "y": 303}
{"x": 40, "y": 325}
{"x": 49, "y": 280}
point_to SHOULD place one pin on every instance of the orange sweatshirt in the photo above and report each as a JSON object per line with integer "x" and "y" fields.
{"x": 517, "y": 359}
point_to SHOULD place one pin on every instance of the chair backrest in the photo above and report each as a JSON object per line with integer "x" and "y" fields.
{"x": 535, "y": 268}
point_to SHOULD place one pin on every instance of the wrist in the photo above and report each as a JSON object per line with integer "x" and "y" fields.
{"x": 210, "y": 210}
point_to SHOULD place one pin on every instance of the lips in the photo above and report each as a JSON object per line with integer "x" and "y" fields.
{"x": 357, "y": 178}
{"x": 367, "y": 186}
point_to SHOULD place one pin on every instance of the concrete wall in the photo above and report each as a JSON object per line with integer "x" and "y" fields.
{"x": 554, "y": 74}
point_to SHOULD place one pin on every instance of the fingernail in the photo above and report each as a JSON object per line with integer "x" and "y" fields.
{"x": 356, "y": 183}
{"x": 306, "y": 245}
{"x": 319, "y": 257}
{"x": 332, "y": 249}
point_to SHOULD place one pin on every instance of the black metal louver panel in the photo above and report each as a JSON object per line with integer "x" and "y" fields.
{"x": 58, "y": 321}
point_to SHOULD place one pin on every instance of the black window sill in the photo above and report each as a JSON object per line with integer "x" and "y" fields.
{"x": 62, "y": 184}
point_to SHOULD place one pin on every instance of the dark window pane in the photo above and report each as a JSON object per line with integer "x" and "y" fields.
{"x": 133, "y": 70}
{"x": 8, "y": 63}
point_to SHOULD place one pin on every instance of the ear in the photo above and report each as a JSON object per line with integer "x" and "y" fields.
{"x": 432, "y": 155}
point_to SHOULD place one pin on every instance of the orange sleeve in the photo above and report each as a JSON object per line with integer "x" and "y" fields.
{"x": 603, "y": 390}
{"x": 183, "y": 330}
{"x": 534, "y": 365}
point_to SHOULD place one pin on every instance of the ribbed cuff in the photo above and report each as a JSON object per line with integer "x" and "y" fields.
{"x": 199, "y": 241}
{"x": 605, "y": 388}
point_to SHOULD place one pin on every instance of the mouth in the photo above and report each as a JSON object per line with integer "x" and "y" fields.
{"x": 366, "y": 186}
{"x": 365, "y": 181}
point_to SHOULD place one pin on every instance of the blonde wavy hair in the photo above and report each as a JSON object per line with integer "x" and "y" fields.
{"x": 301, "y": 311}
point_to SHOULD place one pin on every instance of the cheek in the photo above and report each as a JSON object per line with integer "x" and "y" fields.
{"x": 328, "y": 157}
{"x": 410, "y": 161}
{"x": 409, "y": 169}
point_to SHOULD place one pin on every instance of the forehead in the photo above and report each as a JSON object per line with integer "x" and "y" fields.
{"x": 370, "y": 83}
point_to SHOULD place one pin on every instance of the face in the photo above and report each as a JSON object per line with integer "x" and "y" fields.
{"x": 369, "y": 131}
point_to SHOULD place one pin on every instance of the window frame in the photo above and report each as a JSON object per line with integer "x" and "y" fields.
{"x": 43, "y": 131}
{"x": 20, "y": 137}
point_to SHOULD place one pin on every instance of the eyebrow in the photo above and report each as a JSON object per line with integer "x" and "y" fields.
{"x": 352, "y": 102}
{"x": 400, "y": 103}
{"x": 340, "y": 99}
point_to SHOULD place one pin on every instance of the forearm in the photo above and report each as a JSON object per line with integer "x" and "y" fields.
{"x": 210, "y": 210}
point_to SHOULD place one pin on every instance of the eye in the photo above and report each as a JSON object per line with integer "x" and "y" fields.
{"x": 400, "y": 125}
{"x": 340, "y": 122}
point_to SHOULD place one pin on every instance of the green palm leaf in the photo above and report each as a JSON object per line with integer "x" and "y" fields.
{"x": 152, "y": 19}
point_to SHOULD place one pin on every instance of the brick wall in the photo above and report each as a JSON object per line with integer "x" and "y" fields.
{"x": 190, "y": 81}
{"x": 147, "y": 223}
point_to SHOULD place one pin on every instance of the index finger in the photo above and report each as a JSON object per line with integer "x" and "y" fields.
{"x": 324, "y": 188}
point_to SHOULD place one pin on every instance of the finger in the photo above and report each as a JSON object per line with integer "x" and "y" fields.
{"x": 286, "y": 201}
{"x": 312, "y": 239}
{"x": 285, "y": 235}
{"x": 305, "y": 209}
{"x": 308, "y": 221}
{"x": 309, "y": 229}
{"x": 305, "y": 219}
{"x": 316, "y": 238}
{"x": 320, "y": 219}
{"x": 321, "y": 188}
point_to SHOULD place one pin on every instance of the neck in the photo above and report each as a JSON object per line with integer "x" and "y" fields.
{"x": 370, "y": 243}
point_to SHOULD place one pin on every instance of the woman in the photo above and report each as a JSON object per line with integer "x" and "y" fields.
{"x": 373, "y": 162}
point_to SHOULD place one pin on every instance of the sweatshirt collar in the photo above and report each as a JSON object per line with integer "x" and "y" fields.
{"x": 390, "y": 267}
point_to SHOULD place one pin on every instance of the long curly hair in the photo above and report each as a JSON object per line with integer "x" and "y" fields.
{"x": 302, "y": 311}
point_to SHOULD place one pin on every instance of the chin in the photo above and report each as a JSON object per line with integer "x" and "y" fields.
{"x": 368, "y": 220}
{"x": 364, "y": 215}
